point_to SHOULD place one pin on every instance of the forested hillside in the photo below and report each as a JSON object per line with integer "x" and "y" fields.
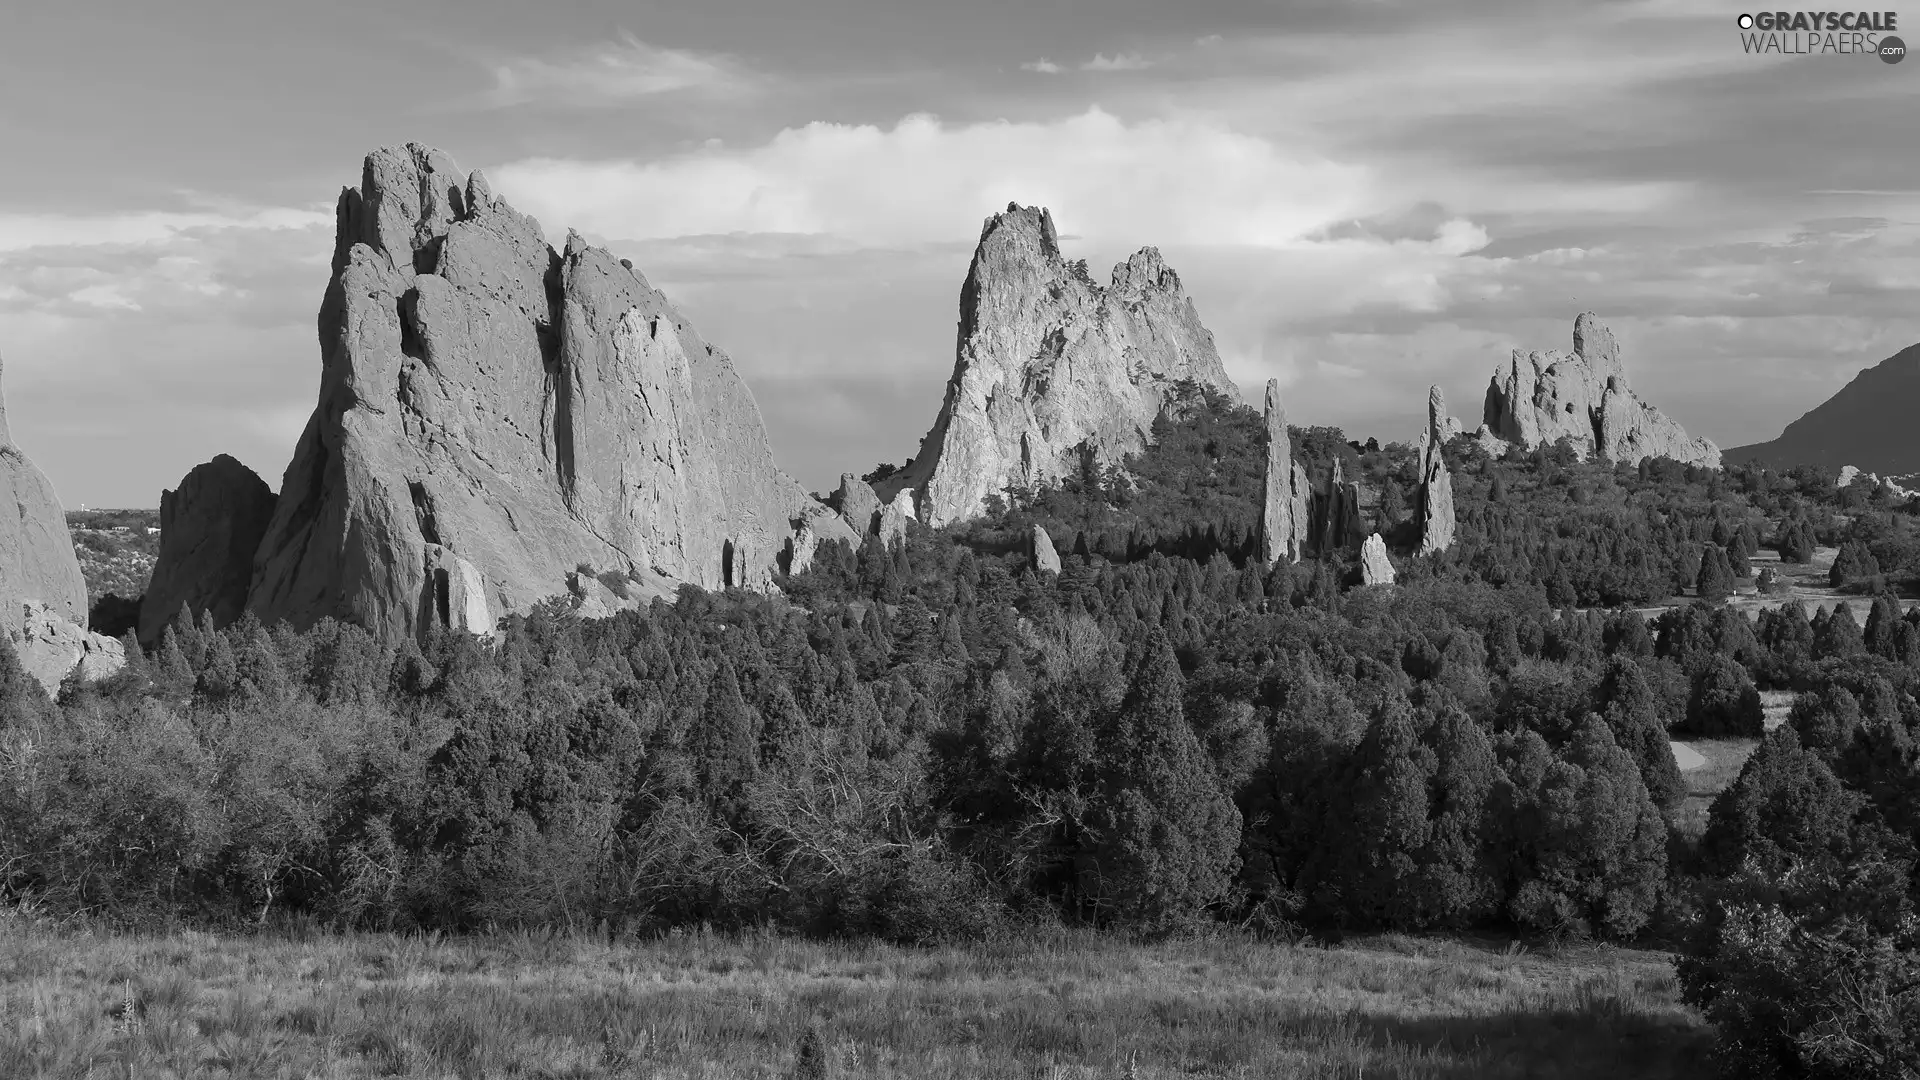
{"x": 934, "y": 741}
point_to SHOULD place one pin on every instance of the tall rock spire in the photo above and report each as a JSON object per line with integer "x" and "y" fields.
{"x": 1283, "y": 533}
{"x": 1436, "y": 484}
{"x": 1049, "y": 363}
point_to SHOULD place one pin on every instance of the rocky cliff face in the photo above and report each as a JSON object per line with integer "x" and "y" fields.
{"x": 1583, "y": 396}
{"x": 1436, "y": 484}
{"x": 210, "y": 526}
{"x": 43, "y": 598}
{"x": 1286, "y": 494}
{"x": 1049, "y": 362}
{"x": 499, "y": 423}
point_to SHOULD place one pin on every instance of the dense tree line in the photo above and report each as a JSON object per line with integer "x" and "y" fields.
{"x": 931, "y": 740}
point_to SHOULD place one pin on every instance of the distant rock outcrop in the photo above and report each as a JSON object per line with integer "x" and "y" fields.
{"x": 1046, "y": 560}
{"x": 1050, "y": 365}
{"x": 498, "y": 421}
{"x": 1583, "y": 396}
{"x": 1436, "y": 484}
{"x": 210, "y": 526}
{"x": 1869, "y": 424}
{"x": 1337, "y": 521}
{"x": 43, "y": 597}
{"x": 1375, "y": 567}
{"x": 1285, "y": 500}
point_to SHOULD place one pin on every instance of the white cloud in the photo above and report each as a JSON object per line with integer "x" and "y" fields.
{"x": 615, "y": 72}
{"x": 923, "y": 181}
{"x": 22, "y": 231}
{"x": 1100, "y": 62}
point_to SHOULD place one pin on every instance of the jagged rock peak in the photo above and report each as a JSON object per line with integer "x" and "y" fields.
{"x": 43, "y": 597}
{"x": 1583, "y": 396}
{"x": 1049, "y": 364}
{"x": 1437, "y": 521}
{"x": 1285, "y": 493}
{"x": 210, "y": 527}
{"x": 499, "y": 423}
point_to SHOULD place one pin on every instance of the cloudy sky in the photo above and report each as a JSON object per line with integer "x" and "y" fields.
{"x": 1363, "y": 197}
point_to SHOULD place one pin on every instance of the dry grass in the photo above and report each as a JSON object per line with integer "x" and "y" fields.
{"x": 291, "y": 1005}
{"x": 1725, "y": 759}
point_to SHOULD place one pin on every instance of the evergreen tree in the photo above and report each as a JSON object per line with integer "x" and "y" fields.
{"x": 1590, "y": 848}
{"x": 1715, "y": 579}
{"x": 722, "y": 744}
{"x": 1632, "y": 714}
{"x": 1724, "y": 701}
{"x": 1164, "y": 835}
{"x": 1825, "y": 720}
{"x": 1785, "y": 805}
{"x": 1382, "y": 827}
{"x": 1837, "y": 634}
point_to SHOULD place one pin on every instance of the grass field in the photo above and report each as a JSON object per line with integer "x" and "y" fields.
{"x": 78, "y": 1004}
{"x": 1725, "y": 758}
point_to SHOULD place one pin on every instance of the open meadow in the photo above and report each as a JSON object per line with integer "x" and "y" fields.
{"x": 81, "y": 1003}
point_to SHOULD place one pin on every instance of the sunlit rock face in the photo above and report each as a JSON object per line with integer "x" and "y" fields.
{"x": 499, "y": 423}
{"x": 1051, "y": 365}
{"x": 43, "y": 597}
{"x": 1583, "y": 396}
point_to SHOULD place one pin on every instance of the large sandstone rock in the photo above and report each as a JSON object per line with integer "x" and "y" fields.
{"x": 43, "y": 597}
{"x": 1046, "y": 559}
{"x": 1049, "y": 362}
{"x": 495, "y": 416}
{"x": 859, "y": 507}
{"x": 1583, "y": 396}
{"x": 1375, "y": 567}
{"x": 210, "y": 526}
{"x": 51, "y": 646}
{"x": 37, "y": 562}
{"x": 1436, "y": 484}
{"x": 1286, "y": 494}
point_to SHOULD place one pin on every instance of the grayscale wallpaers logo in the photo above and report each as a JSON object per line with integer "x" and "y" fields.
{"x": 1836, "y": 33}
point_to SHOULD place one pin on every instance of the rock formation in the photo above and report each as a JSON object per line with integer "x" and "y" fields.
{"x": 1048, "y": 363}
{"x": 495, "y": 417}
{"x": 1284, "y": 512}
{"x": 1375, "y": 567}
{"x": 1583, "y": 396}
{"x": 1336, "y": 512}
{"x": 859, "y": 507}
{"x": 1046, "y": 559}
{"x": 210, "y": 526}
{"x": 894, "y": 516}
{"x": 50, "y": 646}
{"x": 43, "y": 598}
{"x": 1436, "y": 484}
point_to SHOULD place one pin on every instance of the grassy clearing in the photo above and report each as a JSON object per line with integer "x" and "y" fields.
{"x": 333, "y": 1006}
{"x": 1725, "y": 759}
